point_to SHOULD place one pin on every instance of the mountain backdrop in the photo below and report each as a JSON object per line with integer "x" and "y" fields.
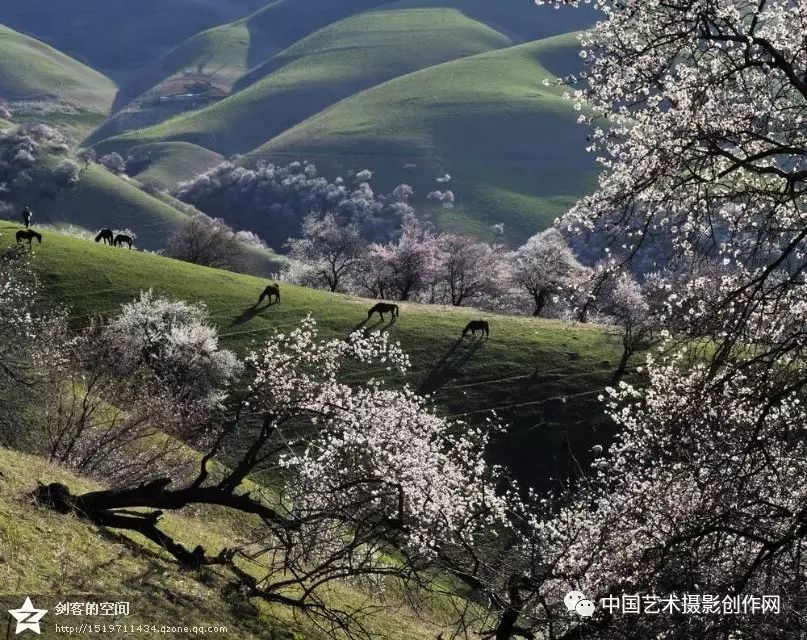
{"x": 411, "y": 90}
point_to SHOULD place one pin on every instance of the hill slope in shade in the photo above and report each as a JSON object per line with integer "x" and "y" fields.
{"x": 331, "y": 64}
{"x": 44, "y": 85}
{"x": 227, "y": 52}
{"x": 541, "y": 376}
{"x": 512, "y": 145}
{"x": 119, "y": 36}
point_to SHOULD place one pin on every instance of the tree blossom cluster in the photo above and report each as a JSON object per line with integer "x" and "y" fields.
{"x": 26, "y": 330}
{"x": 22, "y": 150}
{"x": 175, "y": 342}
{"x": 273, "y": 199}
{"x": 701, "y": 491}
{"x": 704, "y": 154}
{"x": 105, "y": 399}
{"x": 369, "y": 455}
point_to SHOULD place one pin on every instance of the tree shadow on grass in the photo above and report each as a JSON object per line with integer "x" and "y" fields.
{"x": 251, "y": 312}
{"x": 449, "y": 365}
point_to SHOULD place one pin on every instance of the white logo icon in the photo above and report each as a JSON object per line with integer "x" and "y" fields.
{"x": 27, "y": 617}
{"x": 576, "y": 601}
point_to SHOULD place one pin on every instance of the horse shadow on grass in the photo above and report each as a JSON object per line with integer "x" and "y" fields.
{"x": 449, "y": 365}
{"x": 381, "y": 325}
{"x": 251, "y": 312}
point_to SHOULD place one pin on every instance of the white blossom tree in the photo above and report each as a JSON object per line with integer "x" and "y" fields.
{"x": 707, "y": 105}
{"x": 370, "y": 481}
{"x": 544, "y": 267}
{"x": 332, "y": 249}
{"x": 627, "y": 306}
{"x": 27, "y": 333}
{"x": 113, "y": 162}
{"x": 468, "y": 270}
{"x": 175, "y": 342}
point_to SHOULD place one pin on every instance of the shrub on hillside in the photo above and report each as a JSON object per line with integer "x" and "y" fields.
{"x": 113, "y": 162}
{"x": 209, "y": 242}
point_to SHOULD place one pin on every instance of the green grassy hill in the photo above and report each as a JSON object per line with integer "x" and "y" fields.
{"x": 102, "y": 199}
{"x": 43, "y": 552}
{"x": 542, "y": 376}
{"x": 204, "y": 67}
{"x": 45, "y": 85}
{"x": 172, "y": 162}
{"x": 118, "y": 36}
{"x": 331, "y": 64}
{"x": 521, "y": 21}
{"x": 513, "y": 146}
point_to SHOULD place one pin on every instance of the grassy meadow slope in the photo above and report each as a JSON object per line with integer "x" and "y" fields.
{"x": 226, "y": 52}
{"x": 331, "y": 64}
{"x": 43, "y": 552}
{"x": 204, "y": 67}
{"x": 172, "y": 162}
{"x": 542, "y": 376}
{"x": 102, "y": 199}
{"x": 45, "y": 85}
{"x": 513, "y": 146}
{"x": 521, "y": 20}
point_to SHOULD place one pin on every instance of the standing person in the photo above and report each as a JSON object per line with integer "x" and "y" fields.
{"x": 27, "y": 214}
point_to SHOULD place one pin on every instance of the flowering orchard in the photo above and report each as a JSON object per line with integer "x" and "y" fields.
{"x": 705, "y": 152}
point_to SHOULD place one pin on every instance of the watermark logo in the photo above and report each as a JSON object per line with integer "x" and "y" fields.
{"x": 576, "y": 601}
{"x": 28, "y": 617}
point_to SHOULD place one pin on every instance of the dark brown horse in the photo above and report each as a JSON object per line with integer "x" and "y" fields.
{"x": 106, "y": 235}
{"x": 122, "y": 239}
{"x": 476, "y": 325}
{"x": 28, "y": 234}
{"x": 384, "y": 307}
{"x": 271, "y": 291}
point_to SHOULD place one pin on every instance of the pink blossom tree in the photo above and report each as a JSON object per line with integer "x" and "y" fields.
{"x": 402, "y": 269}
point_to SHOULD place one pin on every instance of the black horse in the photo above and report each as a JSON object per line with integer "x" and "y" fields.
{"x": 271, "y": 291}
{"x": 383, "y": 307}
{"x": 28, "y": 234}
{"x": 122, "y": 239}
{"x": 476, "y": 325}
{"x": 106, "y": 235}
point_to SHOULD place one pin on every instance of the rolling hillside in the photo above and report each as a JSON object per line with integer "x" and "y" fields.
{"x": 333, "y": 63}
{"x": 513, "y": 146}
{"x": 542, "y": 376}
{"x": 172, "y": 162}
{"x": 204, "y": 67}
{"x": 118, "y": 36}
{"x": 441, "y": 86}
{"x": 44, "y": 85}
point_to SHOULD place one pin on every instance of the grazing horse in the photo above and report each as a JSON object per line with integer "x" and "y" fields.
{"x": 122, "y": 239}
{"x": 272, "y": 291}
{"x": 28, "y": 234}
{"x": 476, "y": 325}
{"x": 383, "y": 307}
{"x": 106, "y": 235}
